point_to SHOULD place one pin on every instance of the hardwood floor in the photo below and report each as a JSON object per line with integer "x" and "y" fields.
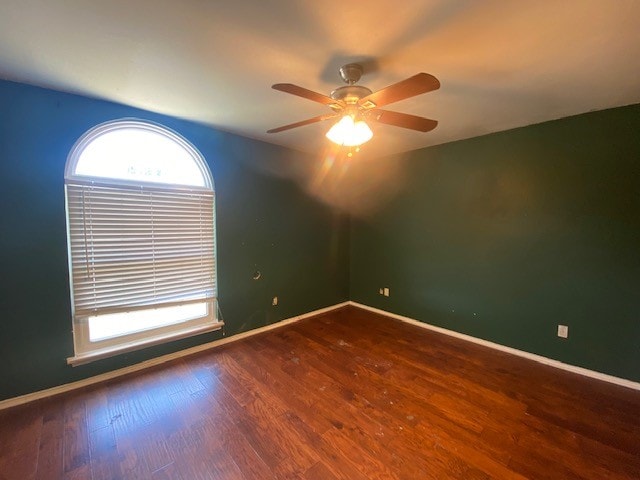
{"x": 347, "y": 395}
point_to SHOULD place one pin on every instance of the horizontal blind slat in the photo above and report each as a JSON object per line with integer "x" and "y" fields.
{"x": 130, "y": 308}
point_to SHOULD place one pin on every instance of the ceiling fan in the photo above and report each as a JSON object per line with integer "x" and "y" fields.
{"x": 355, "y": 105}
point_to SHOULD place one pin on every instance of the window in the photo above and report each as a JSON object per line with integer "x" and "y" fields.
{"x": 141, "y": 236}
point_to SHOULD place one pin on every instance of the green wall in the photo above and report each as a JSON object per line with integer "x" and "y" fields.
{"x": 505, "y": 236}
{"x": 265, "y": 222}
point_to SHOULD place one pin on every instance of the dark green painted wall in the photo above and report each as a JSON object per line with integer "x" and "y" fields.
{"x": 265, "y": 222}
{"x": 507, "y": 235}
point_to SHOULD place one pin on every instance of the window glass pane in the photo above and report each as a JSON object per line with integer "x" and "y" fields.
{"x": 141, "y": 155}
{"x": 112, "y": 325}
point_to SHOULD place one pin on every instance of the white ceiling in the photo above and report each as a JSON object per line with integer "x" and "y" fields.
{"x": 502, "y": 64}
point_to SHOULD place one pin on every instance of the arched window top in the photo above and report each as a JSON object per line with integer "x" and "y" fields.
{"x": 135, "y": 151}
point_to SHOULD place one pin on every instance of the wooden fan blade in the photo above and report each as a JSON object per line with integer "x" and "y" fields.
{"x": 308, "y": 94}
{"x": 412, "y": 86}
{"x": 403, "y": 120}
{"x": 309, "y": 121}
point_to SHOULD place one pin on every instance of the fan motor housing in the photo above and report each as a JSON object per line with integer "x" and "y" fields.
{"x": 350, "y": 94}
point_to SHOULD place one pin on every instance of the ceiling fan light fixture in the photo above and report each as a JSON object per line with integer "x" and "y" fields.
{"x": 353, "y": 103}
{"x": 349, "y": 133}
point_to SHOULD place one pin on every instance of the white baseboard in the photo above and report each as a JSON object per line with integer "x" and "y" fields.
{"x": 514, "y": 351}
{"x": 67, "y": 387}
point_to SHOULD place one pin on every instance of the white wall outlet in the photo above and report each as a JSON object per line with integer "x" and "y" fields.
{"x": 381, "y": 291}
{"x": 386, "y": 292}
{"x": 563, "y": 331}
{"x": 274, "y": 301}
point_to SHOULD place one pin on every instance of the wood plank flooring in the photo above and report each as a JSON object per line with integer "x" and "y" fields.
{"x": 348, "y": 395}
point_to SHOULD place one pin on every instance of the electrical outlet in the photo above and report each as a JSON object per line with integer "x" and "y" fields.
{"x": 386, "y": 292}
{"x": 563, "y": 331}
{"x": 274, "y": 301}
{"x": 381, "y": 291}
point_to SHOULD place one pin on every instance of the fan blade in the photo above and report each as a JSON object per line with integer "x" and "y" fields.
{"x": 412, "y": 86}
{"x": 308, "y": 94}
{"x": 404, "y": 120}
{"x": 309, "y": 121}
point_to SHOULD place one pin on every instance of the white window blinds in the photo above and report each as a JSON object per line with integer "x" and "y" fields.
{"x": 136, "y": 247}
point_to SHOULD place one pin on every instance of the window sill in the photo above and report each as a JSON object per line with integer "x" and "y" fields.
{"x": 88, "y": 357}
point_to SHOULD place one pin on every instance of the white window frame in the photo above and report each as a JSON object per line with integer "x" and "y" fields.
{"x": 85, "y": 349}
